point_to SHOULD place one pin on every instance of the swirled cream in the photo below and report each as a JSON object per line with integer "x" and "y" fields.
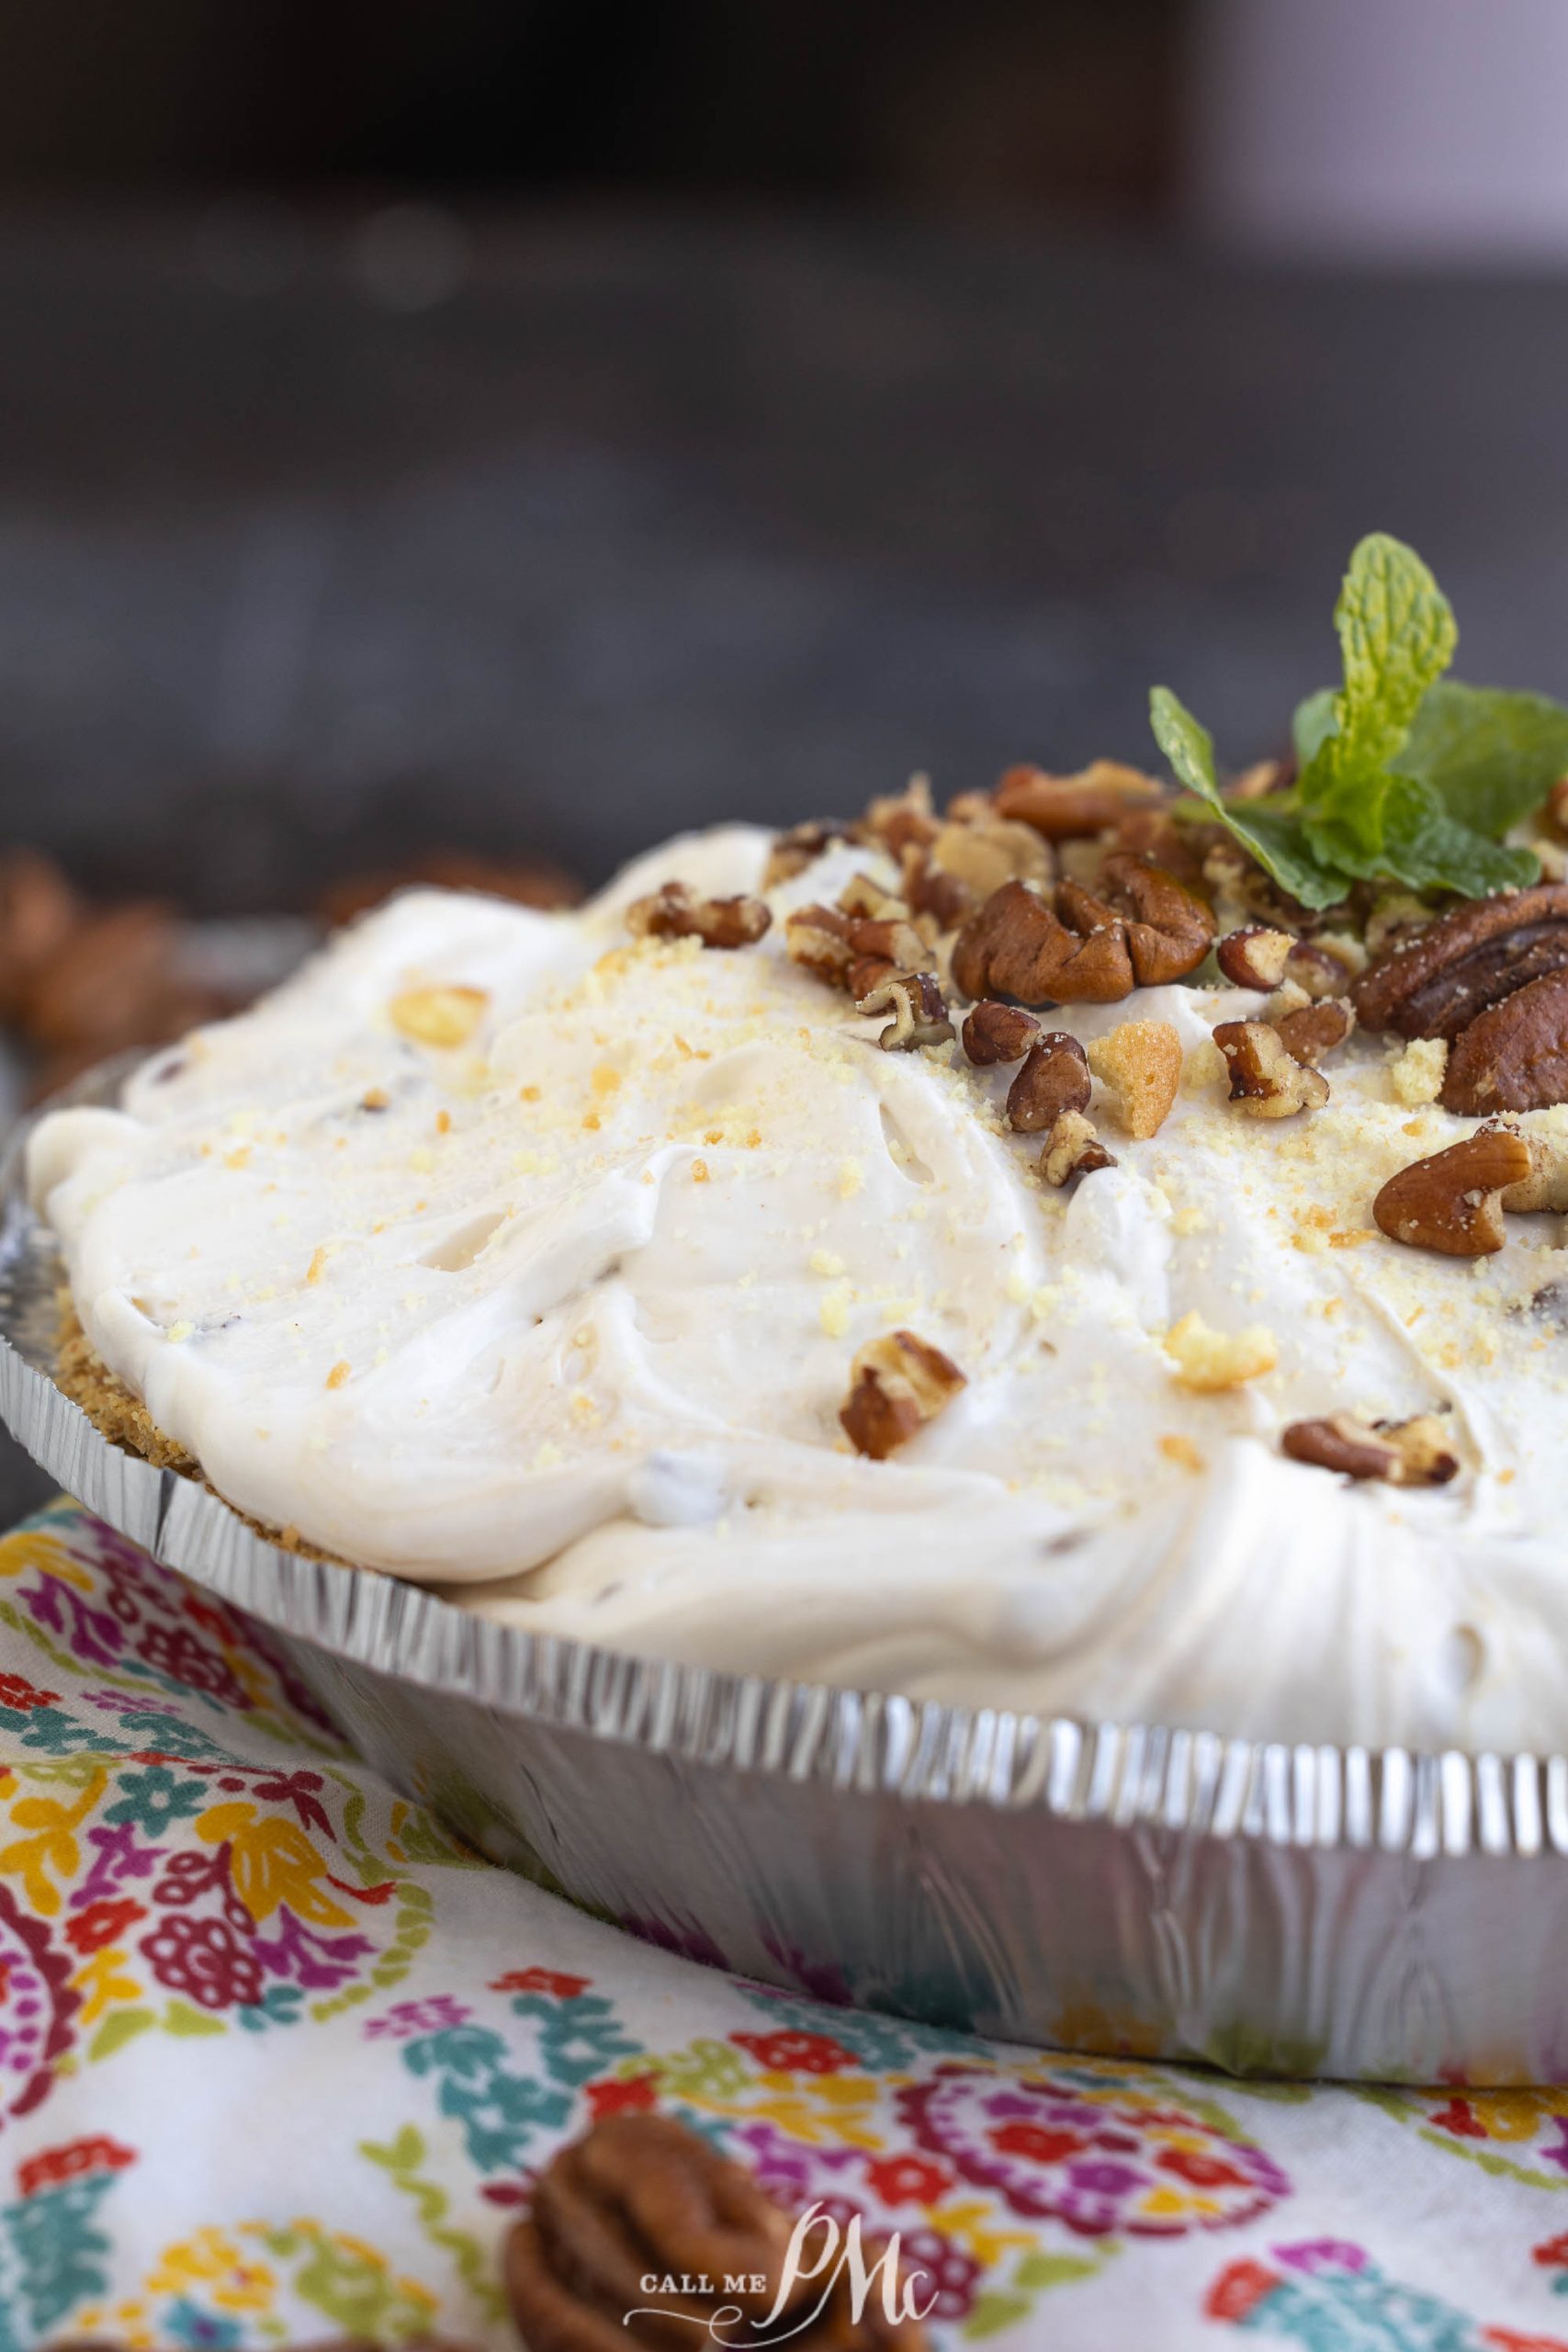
{"x": 559, "y": 1315}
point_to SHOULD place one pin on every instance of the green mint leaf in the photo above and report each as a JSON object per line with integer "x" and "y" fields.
{"x": 1426, "y": 849}
{"x": 1396, "y": 638}
{"x": 1491, "y": 756}
{"x": 1272, "y": 834}
{"x": 1313, "y": 724}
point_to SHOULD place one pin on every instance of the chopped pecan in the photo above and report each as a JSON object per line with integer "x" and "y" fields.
{"x": 862, "y": 895}
{"x": 920, "y": 1013}
{"x": 928, "y": 891}
{"x": 999, "y": 1033}
{"x": 1073, "y": 1148}
{"x": 1054, "y": 1078}
{"x": 1313, "y": 1030}
{"x": 1513, "y": 1057}
{"x": 898, "y": 1384}
{"x": 1016, "y": 946}
{"x": 822, "y": 939}
{"x": 1254, "y": 958}
{"x": 792, "y": 852}
{"x": 1067, "y": 806}
{"x": 897, "y": 818}
{"x": 1432, "y": 984}
{"x": 1417, "y": 1453}
{"x": 1140, "y": 1065}
{"x": 841, "y": 948}
{"x": 1318, "y": 969}
{"x": 639, "y": 2202}
{"x": 1266, "y": 1079}
{"x": 987, "y": 851}
{"x": 1453, "y": 1201}
{"x": 674, "y": 911}
{"x": 868, "y": 972}
{"x": 1169, "y": 928}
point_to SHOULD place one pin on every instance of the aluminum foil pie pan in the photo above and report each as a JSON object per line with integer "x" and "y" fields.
{"x": 1364, "y": 1914}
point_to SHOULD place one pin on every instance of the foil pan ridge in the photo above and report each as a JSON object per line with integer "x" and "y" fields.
{"x": 1132, "y": 1888}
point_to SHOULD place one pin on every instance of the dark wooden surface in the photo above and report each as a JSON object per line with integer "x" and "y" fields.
{"x": 646, "y": 521}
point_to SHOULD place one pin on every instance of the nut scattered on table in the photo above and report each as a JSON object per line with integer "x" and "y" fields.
{"x": 675, "y": 911}
{"x": 1452, "y": 1201}
{"x": 641, "y": 2201}
{"x": 898, "y": 1384}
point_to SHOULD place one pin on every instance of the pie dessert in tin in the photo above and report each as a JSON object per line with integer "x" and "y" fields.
{"x": 1019, "y": 1252}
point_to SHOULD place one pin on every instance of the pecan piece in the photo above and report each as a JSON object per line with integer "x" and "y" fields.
{"x": 792, "y": 852}
{"x": 897, "y": 818}
{"x": 1416, "y": 1453}
{"x": 868, "y": 972}
{"x": 821, "y": 939}
{"x": 1267, "y": 1080}
{"x": 1254, "y": 958}
{"x": 1073, "y": 1148}
{"x": 1433, "y": 984}
{"x": 999, "y": 1033}
{"x": 898, "y": 1384}
{"x": 1065, "y": 807}
{"x": 1453, "y": 1201}
{"x": 928, "y": 891}
{"x": 639, "y": 2199}
{"x": 1310, "y": 1030}
{"x": 1169, "y": 928}
{"x": 919, "y": 1013}
{"x": 674, "y": 911}
{"x": 986, "y": 851}
{"x": 863, "y": 896}
{"x": 1016, "y": 946}
{"x": 1316, "y": 970}
{"x": 1054, "y": 1078}
{"x": 1140, "y": 1065}
{"x": 1513, "y": 1057}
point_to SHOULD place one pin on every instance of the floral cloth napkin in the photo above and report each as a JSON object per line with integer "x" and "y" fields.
{"x": 277, "y": 2059}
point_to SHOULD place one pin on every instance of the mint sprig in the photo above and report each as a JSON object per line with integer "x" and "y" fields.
{"x": 1404, "y": 774}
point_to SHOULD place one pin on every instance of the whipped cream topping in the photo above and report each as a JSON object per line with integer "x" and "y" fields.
{"x": 560, "y": 1317}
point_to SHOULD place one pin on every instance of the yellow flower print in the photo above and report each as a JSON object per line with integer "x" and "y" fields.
{"x": 233, "y": 2279}
{"x": 100, "y": 1982}
{"x": 273, "y": 1862}
{"x": 52, "y": 1845}
{"x": 33, "y": 1548}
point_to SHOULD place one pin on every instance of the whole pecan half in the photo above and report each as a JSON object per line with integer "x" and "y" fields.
{"x": 674, "y": 911}
{"x": 1513, "y": 1057}
{"x": 1432, "y": 984}
{"x": 1453, "y": 1201}
{"x": 1016, "y": 945}
{"x": 998, "y": 1033}
{"x": 1169, "y": 928}
{"x": 1067, "y": 807}
{"x": 1054, "y": 1078}
{"x": 898, "y": 1384}
{"x": 1417, "y": 1453}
